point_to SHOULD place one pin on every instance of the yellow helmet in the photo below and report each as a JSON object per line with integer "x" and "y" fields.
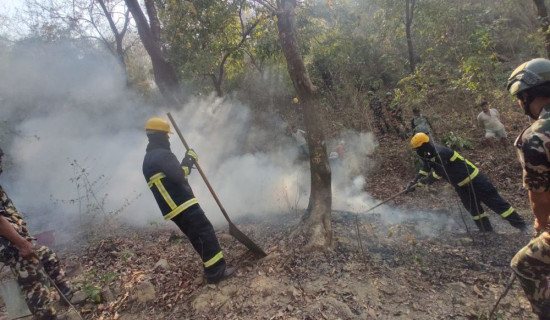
{"x": 158, "y": 124}
{"x": 419, "y": 139}
{"x": 295, "y": 100}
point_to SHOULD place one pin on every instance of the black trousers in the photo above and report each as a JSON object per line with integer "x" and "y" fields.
{"x": 196, "y": 226}
{"x": 481, "y": 190}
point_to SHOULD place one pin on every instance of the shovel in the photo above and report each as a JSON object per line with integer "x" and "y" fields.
{"x": 233, "y": 230}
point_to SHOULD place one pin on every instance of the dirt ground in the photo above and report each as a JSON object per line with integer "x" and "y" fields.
{"x": 395, "y": 273}
{"x": 433, "y": 265}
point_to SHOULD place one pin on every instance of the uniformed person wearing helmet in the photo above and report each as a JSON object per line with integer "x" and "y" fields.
{"x": 472, "y": 186}
{"x": 530, "y": 84}
{"x": 167, "y": 179}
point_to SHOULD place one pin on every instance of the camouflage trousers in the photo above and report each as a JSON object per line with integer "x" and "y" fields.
{"x": 381, "y": 123}
{"x": 532, "y": 266}
{"x": 32, "y": 280}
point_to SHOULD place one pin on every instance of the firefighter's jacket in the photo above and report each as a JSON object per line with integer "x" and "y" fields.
{"x": 449, "y": 165}
{"x": 167, "y": 178}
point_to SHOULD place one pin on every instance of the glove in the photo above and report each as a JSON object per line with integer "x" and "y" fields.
{"x": 411, "y": 186}
{"x": 191, "y": 153}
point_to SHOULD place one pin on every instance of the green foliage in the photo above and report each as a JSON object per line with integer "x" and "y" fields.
{"x": 450, "y": 140}
{"x": 93, "y": 292}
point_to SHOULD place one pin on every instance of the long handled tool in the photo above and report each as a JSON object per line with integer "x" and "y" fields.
{"x": 388, "y": 199}
{"x": 508, "y": 286}
{"x": 233, "y": 230}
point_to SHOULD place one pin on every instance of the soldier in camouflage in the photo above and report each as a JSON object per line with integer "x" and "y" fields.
{"x": 421, "y": 123}
{"x": 376, "y": 106}
{"x": 28, "y": 261}
{"x": 530, "y": 83}
{"x": 396, "y": 115}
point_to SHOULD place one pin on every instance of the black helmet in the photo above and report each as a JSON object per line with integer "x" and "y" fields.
{"x": 528, "y": 75}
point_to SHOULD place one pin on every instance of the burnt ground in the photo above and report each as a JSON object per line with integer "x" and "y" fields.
{"x": 398, "y": 274}
{"x": 396, "y": 271}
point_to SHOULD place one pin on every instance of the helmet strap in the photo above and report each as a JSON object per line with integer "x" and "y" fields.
{"x": 527, "y": 100}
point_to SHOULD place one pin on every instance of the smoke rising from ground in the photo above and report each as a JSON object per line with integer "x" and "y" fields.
{"x": 74, "y": 141}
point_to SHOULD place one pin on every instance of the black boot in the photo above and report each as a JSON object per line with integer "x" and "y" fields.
{"x": 227, "y": 273}
{"x": 484, "y": 225}
{"x": 516, "y": 221}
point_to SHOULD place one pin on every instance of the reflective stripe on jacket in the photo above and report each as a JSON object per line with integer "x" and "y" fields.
{"x": 167, "y": 179}
{"x": 460, "y": 171}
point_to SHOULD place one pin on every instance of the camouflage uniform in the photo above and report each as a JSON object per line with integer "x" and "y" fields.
{"x": 376, "y": 106}
{"x": 33, "y": 282}
{"x": 421, "y": 123}
{"x": 396, "y": 114}
{"x": 532, "y": 263}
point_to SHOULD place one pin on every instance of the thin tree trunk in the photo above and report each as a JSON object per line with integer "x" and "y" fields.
{"x": 409, "y": 13}
{"x": 544, "y": 21}
{"x": 318, "y": 221}
{"x": 119, "y": 37}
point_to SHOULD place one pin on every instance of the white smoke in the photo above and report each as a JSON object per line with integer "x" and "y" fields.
{"x": 74, "y": 137}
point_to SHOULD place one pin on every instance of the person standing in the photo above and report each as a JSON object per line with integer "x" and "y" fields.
{"x": 530, "y": 84}
{"x": 420, "y": 123}
{"x": 167, "y": 179}
{"x": 28, "y": 260}
{"x": 379, "y": 119}
{"x": 489, "y": 120}
{"x": 299, "y": 136}
{"x": 472, "y": 186}
{"x": 396, "y": 115}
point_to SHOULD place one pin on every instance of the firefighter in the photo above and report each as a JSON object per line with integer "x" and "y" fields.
{"x": 530, "y": 84}
{"x": 472, "y": 186}
{"x": 28, "y": 261}
{"x": 167, "y": 179}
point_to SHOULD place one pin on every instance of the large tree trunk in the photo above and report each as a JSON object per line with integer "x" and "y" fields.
{"x": 318, "y": 225}
{"x": 544, "y": 21}
{"x": 164, "y": 71}
{"x": 409, "y": 11}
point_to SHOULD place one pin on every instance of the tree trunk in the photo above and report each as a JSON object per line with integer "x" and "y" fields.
{"x": 318, "y": 225}
{"x": 409, "y": 11}
{"x": 544, "y": 21}
{"x": 164, "y": 71}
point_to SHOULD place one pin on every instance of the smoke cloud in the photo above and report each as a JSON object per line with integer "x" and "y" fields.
{"x": 74, "y": 141}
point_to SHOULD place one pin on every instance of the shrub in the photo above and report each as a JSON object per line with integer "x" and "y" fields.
{"x": 453, "y": 141}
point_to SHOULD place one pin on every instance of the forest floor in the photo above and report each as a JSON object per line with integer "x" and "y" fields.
{"x": 395, "y": 271}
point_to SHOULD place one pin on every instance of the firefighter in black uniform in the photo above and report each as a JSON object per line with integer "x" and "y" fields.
{"x": 167, "y": 179}
{"x": 472, "y": 186}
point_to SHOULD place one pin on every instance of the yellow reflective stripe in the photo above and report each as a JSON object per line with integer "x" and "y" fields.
{"x": 215, "y": 259}
{"x": 436, "y": 175}
{"x": 181, "y": 208}
{"x": 186, "y": 170}
{"x": 422, "y": 172}
{"x": 507, "y": 212}
{"x": 469, "y": 178}
{"x": 456, "y": 155}
{"x": 484, "y": 214}
{"x": 155, "y": 180}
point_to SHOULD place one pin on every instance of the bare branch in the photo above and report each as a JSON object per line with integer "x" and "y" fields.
{"x": 267, "y": 5}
